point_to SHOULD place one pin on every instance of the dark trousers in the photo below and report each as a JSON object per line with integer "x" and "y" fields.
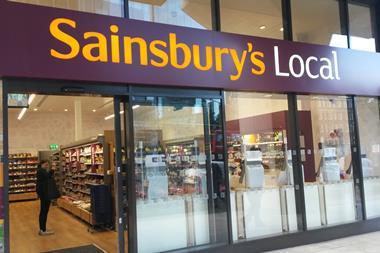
{"x": 44, "y": 209}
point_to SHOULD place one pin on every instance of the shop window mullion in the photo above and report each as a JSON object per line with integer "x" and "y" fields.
{"x": 226, "y": 171}
{"x": 287, "y": 20}
{"x": 131, "y": 183}
{"x": 294, "y": 139}
{"x": 375, "y": 18}
{"x": 215, "y": 15}
{"x": 210, "y": 191}
{"x": 344, "y": 20}
{"x": 356, "y": 159}
{"x": 119, "y": 200}
{"x": 6, "y": 168}
{"x": 126, "y": 8}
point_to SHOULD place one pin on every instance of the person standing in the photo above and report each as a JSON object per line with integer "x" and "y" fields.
{"x": 44, "y": 174}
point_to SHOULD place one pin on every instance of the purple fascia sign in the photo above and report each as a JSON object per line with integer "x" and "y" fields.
{"x": 49, "y": 43}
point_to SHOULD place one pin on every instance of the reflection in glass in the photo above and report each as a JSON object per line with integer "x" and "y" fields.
{"x": 106, "y": 7}
{"x": 317, "y": 22}
{"x": 252, "y": 17}
{"x": 361, "y": 34}
{"x": 194, "y": 13}
{"x": 327, "y": 167}
{"x": 369, "y": 129}
{"x": 260, "y": 165}
{"x": 180, "y": 182}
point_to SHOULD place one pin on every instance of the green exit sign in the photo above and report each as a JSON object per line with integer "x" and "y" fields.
{"x": 54, "y": 146}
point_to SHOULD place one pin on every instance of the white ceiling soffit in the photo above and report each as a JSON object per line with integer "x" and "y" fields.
{"x": 60, "y": 103}
{"x": 239, "y": 16}
{"x": 152, "y": 2}
{"x": 199, "y": 10}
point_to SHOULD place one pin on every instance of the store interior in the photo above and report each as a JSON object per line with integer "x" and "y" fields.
{"x": 76, "y": 135}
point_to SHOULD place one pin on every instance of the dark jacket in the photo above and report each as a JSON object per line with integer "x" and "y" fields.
{"x": 43, "y": 177}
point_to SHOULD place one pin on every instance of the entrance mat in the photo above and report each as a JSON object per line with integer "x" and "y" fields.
{"x": 81, "y": 249}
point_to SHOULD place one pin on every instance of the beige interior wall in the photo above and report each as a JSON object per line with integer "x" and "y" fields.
{"x": 369, "y": 130}
{"x": 194, "y": 13}
{"x": 327, "y": 114}
{"x": 106, "y": 7}
{"x": 241, "y": 105}
{"x": 37, "y": 130}
{"x": 183, "y": 124}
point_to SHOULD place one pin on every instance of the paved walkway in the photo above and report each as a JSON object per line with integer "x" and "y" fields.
{"x": 366, "y": 243}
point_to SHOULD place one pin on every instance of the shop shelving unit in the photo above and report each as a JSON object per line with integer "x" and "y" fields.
{"x": 22, "y": 176}
{"x": 55, "y": 162}
{"x": 84, "y": 164}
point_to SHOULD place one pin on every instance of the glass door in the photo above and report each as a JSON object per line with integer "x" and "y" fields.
{"x": 179, "y": 173}
{"x": 122, "y": 163}
{"x": 327, "y": 143}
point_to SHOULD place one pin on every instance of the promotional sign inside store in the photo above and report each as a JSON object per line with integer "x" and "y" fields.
{"x": 62, "y": 44}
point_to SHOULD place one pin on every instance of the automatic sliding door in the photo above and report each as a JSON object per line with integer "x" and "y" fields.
{"x": 179, "y": 173}
{"x": 328, "y": 171}
{"x": 122, "y": 132}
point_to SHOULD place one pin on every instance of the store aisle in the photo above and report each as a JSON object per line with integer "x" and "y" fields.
{"x": 69, "y": 231}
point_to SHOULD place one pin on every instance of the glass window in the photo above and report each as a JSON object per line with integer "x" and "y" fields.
{"x": 317, "y": 22}
{"x": 326, "y": 159}
{"x": 369, "y": 129}
{"x": 252, "y": 17}
{"x": 361, "y": 33}
{"x": 105, "y": 7}
{"x": 195, "y": 13}
{"x": 180, "y": 178}
{"x": 260, "y": 165}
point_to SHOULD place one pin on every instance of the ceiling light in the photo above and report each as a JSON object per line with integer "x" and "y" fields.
{"x": 282, "y": 29}
{"x": 370, "y": 100}
{"x": 262, "y": 27}
{"x": 109, "y": 117}
{"x": 31, "y": 98}
{"x": 66, "y": 110}
{"x": 135, "y": 107}
{"x": 268, "y": 95}
{"x": 93, "y": 110}
{"x": 35, "y": 109}
{"x": 21, "y": 114}
{"x": 112, "y": 116}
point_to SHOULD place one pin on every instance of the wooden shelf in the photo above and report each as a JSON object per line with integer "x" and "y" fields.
{"x": 27, "y": 174}
{"x": 75, "y": 210}
{"x": 22, "y": 196}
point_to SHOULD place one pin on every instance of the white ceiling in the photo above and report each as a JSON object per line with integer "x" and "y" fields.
{"x": 50, "y": 103}
{"x": 313, "y": 21}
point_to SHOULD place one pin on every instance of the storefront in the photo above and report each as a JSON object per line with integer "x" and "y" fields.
{"x": 221, "y": 142}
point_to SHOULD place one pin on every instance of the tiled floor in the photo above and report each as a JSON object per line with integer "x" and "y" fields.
{"x": 367, "y": 243}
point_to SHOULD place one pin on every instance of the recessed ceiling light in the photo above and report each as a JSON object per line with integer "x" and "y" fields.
{"x": 135, "y": 107}
{"x": 35, "y": 109}
{"x": 268, "y": 95}
{"x": 282, "y": 29}
{"x": 93, "y": 110}
{"x": 262, "y": 27}
{"x": 31, "y": 98}
{"x": 66, "y": 110}
{"x": 23, "y": 111}
{"x": 112, "y": 116}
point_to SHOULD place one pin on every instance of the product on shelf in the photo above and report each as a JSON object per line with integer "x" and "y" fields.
{"x": 175, "y": 169}
{"x": 272, "y": 147}
{"x": 82, "y": 167}
{"x": 22, "y": 176}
